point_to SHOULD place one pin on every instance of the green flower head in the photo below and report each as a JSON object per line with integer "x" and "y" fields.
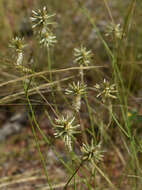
{"x": 92, "y": 152}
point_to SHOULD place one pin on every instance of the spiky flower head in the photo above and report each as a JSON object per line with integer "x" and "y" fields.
{"x": 65, "y": 129}
{"x": 82, "y": 56}
{"x": 17, "y": 44}
{"x": 41, "y": 18}
{"x": 106, "y": 90}
{"x": 114, "y": 30}
{"x": 92, "y": 152}
{"x": 76, "y": 89}
{"x": 47, "y": 39}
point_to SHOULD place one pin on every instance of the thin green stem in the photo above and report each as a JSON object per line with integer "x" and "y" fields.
{"x": 32, "y": 119}
{"x": 40, "y": 153}
{"x": 51, "y": 79}
{"x": 66, "y": 186}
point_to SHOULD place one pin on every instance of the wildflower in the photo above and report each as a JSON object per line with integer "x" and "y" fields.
{"x": 41, "y": 18}
{"x": 18, "y": 45}
{"x": 82, "y": 56}
{"x": 106, "y": 90}
{"x": 65, "y": 129}
{"x": 91, "y": 152}
{"x": 114, "y": 30}
{"x": 48, "y": 39}
{"x": 77, "y": 90}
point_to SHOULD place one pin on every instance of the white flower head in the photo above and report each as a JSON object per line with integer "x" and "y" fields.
{"x": 65, "y": 129}
{"x": 106, "y": 90}
{"x": 82, "y": 56}
{"x": 92, "y": 152}
{"x": 17, "y": 44}
{"x": 76, "y": 89}
{"x": 48, "y": 39}
{"x": 41, "y": 18}
{"x": 114, "y": 30}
